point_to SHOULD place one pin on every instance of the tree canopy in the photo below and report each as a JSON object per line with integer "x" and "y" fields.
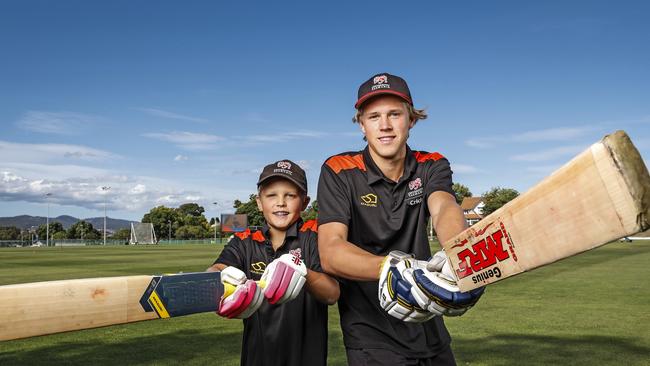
{"x": 255, "y": 217}
{"x": 497, "y": 197}
{"x": 461, "y": 192}
{"x": 187, "y": 221}
{"x": 83, "y": 230}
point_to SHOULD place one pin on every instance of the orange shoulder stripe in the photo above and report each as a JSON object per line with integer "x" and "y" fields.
{"x": 257, "y": 236}
{"x": 310, "y": 225}
{"x": 346, "y": 162}
{"x": 422, "y": 157}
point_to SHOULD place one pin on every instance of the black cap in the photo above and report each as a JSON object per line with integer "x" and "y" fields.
{"x": 383, "y": 83}
{"x": 284, "y": 169}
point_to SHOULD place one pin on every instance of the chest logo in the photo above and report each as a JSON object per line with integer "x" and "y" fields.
{"x": 296, "y": 255}
{"x": 258, "y": 267}
{"x": 369, "y": 200}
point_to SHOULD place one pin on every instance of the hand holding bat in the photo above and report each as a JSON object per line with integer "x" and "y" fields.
{"x": 241, "y": 298}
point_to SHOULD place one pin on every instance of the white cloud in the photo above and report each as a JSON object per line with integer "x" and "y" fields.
{"x": 463, "y": 168}
{"x": 549, "y": 154}
{"x": 187, "y": 140}
{"x": 180, "y": 158}
{"x": 546, "y": 135}
{"x": 171, "y": 115}
{"x": 281, "y": 137}
{"x": 60, "y": 123}
{"x": 29, "y": 153}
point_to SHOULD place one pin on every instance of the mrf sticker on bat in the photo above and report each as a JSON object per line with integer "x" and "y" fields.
{"x": 483, "y": 251}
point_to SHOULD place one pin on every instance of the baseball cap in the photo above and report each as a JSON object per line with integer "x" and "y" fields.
{"x": 383, "y": 83}
{"x": 284, "y": 169}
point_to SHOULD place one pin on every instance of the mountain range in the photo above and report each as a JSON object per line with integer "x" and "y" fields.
{"x": 26, "y": 222}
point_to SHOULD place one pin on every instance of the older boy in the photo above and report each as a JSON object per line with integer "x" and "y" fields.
{"x": 282, "y": 256}
{"x": 374, "y": 206}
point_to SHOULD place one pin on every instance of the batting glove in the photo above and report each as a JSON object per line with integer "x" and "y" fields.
{"x": 395, "y": 295}
{"x": 242, "y": 297}
{"x": 283, "y": 278}
{"x": 433, "y": 285}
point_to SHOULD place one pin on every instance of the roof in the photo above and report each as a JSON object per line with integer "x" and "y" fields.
{"x": 469, "y": 203}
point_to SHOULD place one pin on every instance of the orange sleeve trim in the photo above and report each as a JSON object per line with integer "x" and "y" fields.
{"x": 422, "y": 157}
{"x": 310, "y": 225}
{"x": 346, "y": 162}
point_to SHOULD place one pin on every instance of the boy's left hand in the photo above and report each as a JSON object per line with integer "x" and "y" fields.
{"x": 242, "y": 296}
{"x": 283, "y": 278}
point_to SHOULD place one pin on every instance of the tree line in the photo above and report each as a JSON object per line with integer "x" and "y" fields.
{"x": 188, "y": 221}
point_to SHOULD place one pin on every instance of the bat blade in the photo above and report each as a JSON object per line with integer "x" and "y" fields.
{"x": 39, "y": 308}
{"x": 601, "y": 195}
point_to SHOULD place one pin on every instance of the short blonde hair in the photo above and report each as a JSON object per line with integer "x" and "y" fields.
{"x": 414, "y": 114}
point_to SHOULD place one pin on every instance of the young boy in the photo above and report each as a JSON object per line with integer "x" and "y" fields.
{"x": 289, "y": 327}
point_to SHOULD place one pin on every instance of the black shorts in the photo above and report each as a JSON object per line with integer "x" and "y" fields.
{"x": 375, "y": 356}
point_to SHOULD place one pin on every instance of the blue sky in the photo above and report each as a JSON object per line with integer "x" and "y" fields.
{"x": 174, "y": 102}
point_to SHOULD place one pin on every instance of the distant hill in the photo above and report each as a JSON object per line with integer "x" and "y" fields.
{"x": 26, "y": 221}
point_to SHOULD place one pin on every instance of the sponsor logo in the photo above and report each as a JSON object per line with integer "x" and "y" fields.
{"x": 381, "y": 79}
{"x": 415, "y": 193}
{"x": 381, "y": 82}
{"x": 484, "y": 249}
{"x": 258, "y": 268}
{"x": 369, "y": 200}
{"x": 284, "y": 165}
{"x": 414, "y": 202}
{"x": 296, "y": 255}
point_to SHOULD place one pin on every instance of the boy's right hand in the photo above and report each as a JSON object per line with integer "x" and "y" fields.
{"x": 242, "y": 297}
{"x": 283, "y": 278}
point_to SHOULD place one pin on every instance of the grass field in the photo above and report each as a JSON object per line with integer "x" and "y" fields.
{"x": 592, "y": 309}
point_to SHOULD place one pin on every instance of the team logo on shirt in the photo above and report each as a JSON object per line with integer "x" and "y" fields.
{"x": 369, "y": 200}
{"x": 414, "y": 195}
{"x": 258, "y": 268}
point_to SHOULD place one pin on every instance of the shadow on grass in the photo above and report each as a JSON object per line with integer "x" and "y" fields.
{"x": 527, "y": 349}
{"x": 186, "y": 347}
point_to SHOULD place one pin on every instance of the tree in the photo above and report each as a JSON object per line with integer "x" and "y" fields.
{"x": 122, "y": 234}
{"x": 160, "y": 217}
{"x": 192, "y": 232}
{"x": 255, "y": 217}
{"x": 461, "y": 192}
{"x": 55, "y": 227}
{"x": 497, "y": 197}
{"x": 9, "y": 233}
{"x": 60, "y": 235}
{"x": 311, "y": 213}
{"x": 83, "y": 230}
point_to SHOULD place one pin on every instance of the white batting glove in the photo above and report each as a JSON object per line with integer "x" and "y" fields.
{"x": 283, "y": 278}
{"x": 433, "y": 285}
{"x": 241, "y": 298}
{"x": 395, "y": 295}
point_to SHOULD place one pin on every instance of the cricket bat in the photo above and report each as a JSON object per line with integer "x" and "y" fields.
{"x": 39, "y": 308}
{"x": 601, "y": 195}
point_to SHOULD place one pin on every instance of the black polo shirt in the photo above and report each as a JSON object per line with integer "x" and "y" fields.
{"x": 383, "y": 215}
{"x": 293, "y": 333}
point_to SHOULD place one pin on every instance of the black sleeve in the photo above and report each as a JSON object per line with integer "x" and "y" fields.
{"x": 232, "y": 254}
{"x": 333, "y": 202}
{"x": 438, "y": 177}
{"x": 311, "y": 247}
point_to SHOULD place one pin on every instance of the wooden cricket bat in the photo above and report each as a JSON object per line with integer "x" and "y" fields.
{"x": 601, "y": 195}
{"x": 33, "y": 309}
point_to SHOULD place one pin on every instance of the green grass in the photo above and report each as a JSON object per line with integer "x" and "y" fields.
{"x": 587, "y": 310}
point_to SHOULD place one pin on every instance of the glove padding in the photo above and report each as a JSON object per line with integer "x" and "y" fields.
{"x": 433, "y": 286}
{"x": 283, "y": 278}
{"x": 395, "y": 294}
{"x": 242, "y": 297}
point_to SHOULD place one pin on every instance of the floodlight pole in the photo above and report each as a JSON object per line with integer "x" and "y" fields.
{"x": 105, "y": 188}
{"x": 47, "y": 222}
{"x": 215, "y": 225}
{"x": 170, "y": 230}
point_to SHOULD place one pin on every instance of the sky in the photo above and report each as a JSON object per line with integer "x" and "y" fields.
{"x": 174, "y": 102}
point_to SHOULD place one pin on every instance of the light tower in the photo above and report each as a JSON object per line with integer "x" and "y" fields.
{"x": 105, "y": 188}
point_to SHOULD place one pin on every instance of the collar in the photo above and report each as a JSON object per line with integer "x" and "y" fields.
{"x": 292, "y": 231}
{"x": 375, "y": 174}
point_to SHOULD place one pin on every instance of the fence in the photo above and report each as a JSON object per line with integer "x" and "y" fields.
{"x": 96, "y": 242}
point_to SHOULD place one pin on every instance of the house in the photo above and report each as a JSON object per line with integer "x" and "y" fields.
{"x": 472, "y": 209}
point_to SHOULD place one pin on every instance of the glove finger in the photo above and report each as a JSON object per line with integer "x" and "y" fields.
{"x": 255, "y": 304}
{"x": 230, "y": 304}
{"x": 279, "y": 282}
{"x": 241, "y": 303}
